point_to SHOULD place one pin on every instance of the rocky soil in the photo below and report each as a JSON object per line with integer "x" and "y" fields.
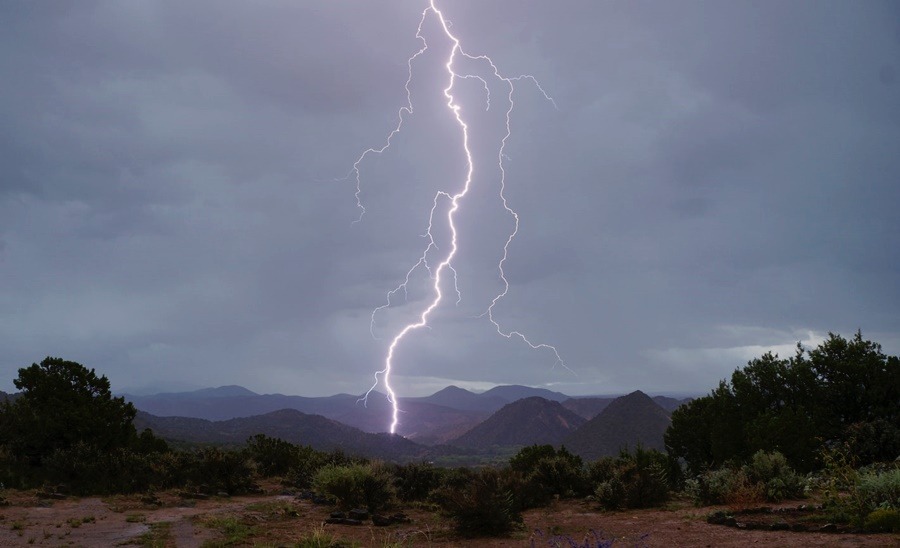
{"x": 280, "y": 519}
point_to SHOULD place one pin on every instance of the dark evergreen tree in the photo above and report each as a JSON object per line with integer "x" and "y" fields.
{"x": 62, "y": 404}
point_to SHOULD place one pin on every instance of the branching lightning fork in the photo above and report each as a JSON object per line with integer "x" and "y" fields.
{"x": 436, "y": 272}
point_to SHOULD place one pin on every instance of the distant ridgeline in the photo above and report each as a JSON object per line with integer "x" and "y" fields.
{"x": 503, "y": 417}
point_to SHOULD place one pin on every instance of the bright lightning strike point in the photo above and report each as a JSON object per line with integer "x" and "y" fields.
{"x": 437, "y": 272}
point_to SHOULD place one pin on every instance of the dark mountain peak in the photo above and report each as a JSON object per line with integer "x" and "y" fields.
{"x": 455, "y": 397}
{"x": 628, "y": 421}
{"x": 513, "y": 392}
{"x": 632, "y": 398}
{"x": 635, "y": 404}
{"x": 228, "y": 391}
{"x": 527, "y": 421}
{"x": 453, "y": 390}
{"x": 286, "y": 413}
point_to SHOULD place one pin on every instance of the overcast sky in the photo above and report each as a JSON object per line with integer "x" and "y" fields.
{"x": 718, "y": 179}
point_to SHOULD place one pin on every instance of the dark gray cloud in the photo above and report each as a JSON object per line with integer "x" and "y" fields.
{"x": 719, "y": 179}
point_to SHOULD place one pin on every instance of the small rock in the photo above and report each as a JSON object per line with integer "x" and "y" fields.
{"x": 381, "y": 521}
{"x": 337, "y": 515}
{"x": 343, "y": 521}
{"x": 828, "y": 528}
{"x": 190, "y": 495}
{"x": 400, "y": 517}
{"x": 359, "y": 513}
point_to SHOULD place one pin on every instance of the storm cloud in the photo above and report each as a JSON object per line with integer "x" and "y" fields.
{"x": 718, "y": 180}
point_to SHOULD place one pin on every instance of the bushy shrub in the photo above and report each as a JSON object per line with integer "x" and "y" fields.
{"x": 483, "y": 506}
{"x": 273, "y": 456}
{"x": 767, "y": 477}
{"x": 727, "y": 485}
{"x": 544, "y": 473}
{"x": 852, "y": 494}
{"x": 172, "y": 469}
{"x": 216, "y": 470}
{"x": 711, "y": 487}
{"x": 883, "y": 520}
{"x": 637, "y": 480}
{"x": 355, "y": 485}
{"x": 775, "y": 474}
{"x": 88, "y": 470}
{"x": 527, "y": 458}
{"x": 611, "y": 493}
{"x": 308, "y": 463}
{"x": 416, "y": 480}
{"x": 879, "y": 489}
{"x": 15, "y": 471}
{"x": 378, "y": 487}
{"x": 147, "y": 443}
{"x": 601, "y": 470}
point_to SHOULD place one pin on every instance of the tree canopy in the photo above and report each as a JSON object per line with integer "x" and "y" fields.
{"x": 844, "y": 390}
{"x": 63, "y": 403}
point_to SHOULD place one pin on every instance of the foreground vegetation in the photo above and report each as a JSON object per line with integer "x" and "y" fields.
{"x": 752, "y": 441}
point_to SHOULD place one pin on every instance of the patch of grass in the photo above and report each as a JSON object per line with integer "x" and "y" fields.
{"x": 135, "y": 518}
{"x": 319, "y": 538}
{"x": 404, "y": 539}
{"x": 77, "y": 522}
{"x": 17, "y": 526}
{"x": 159, "y": 536}
{"x": 234, "y": 530}
{"x": 114, "y": 503}
{"x": 276, "y": 509}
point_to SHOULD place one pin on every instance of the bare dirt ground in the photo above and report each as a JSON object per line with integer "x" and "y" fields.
{"x": 281, "y": 520}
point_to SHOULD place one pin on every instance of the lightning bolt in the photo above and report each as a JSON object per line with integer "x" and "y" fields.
{"x": 445, "y": 266}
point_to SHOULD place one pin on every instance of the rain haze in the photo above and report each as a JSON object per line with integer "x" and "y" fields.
{"x": 715, "y": 180}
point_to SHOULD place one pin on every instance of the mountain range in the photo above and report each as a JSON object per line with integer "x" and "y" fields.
{"x": 450, "y": 421}
{"x": 433, "y": 419}
{"x": 289, "y": 425}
